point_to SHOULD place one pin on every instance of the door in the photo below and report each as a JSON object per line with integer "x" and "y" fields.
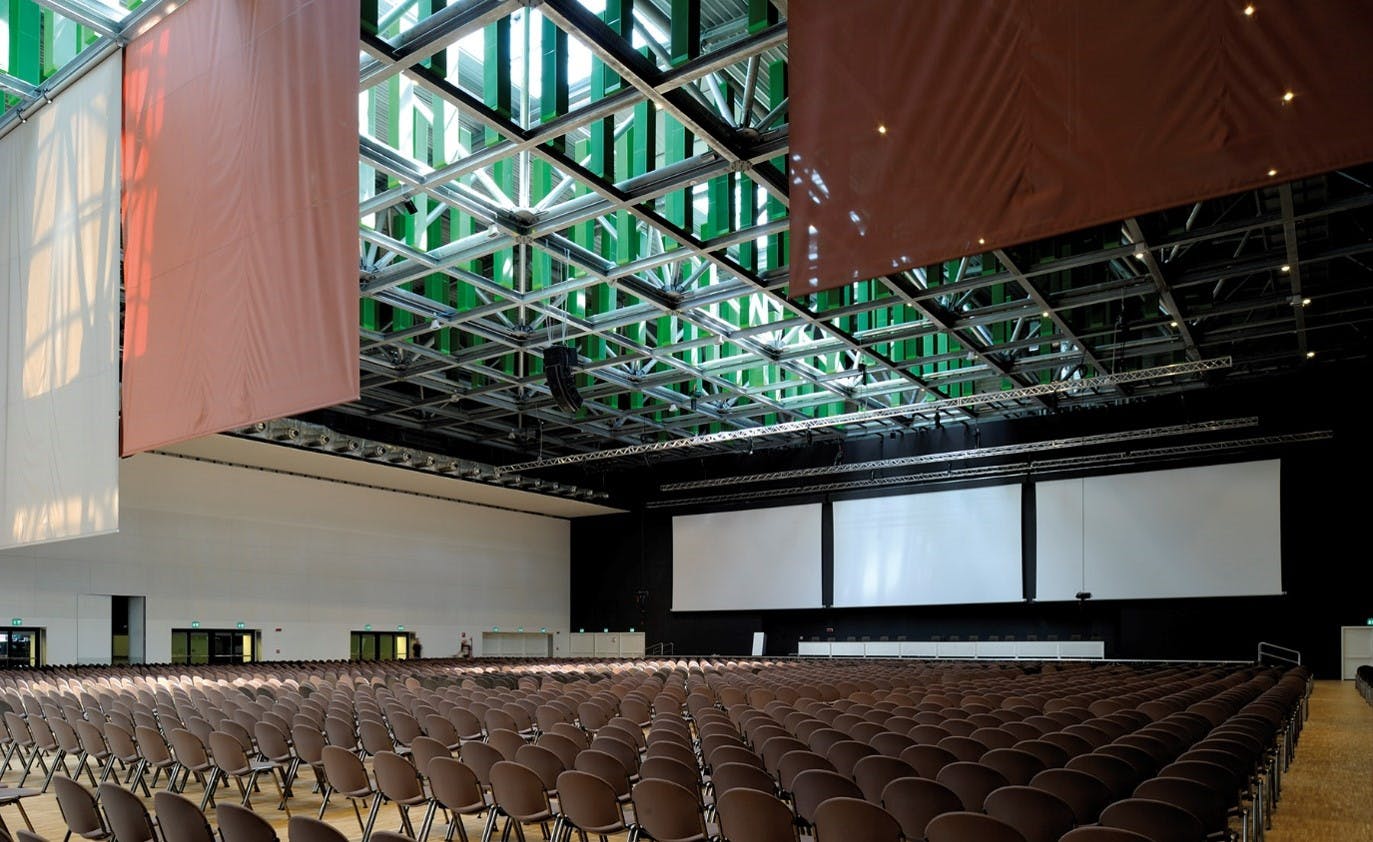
{"x": 215, "y": 646}
{"x": 20, "y": 647}
{"x": 379, "y": 646}
{"x": 1356, "y": 649}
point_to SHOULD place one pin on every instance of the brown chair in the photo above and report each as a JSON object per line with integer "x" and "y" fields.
{"x": 624, "y": 752}
{"x": 180, "y": 819}
{"x": 1193, "y": 796}
{"x": 589, "y": 804}
{"x": 505, "y": 741}
{"x": 93, "y": 748}
{"x": 128, "y": 818}
{"x": 455, "y": 788}
{"x": 668, "y": 812}
{"x": 854, "y": 820}
{"x": 194, "y": 760}
{"x": 240, "y": 824}
{"x": 794, "y": 763}
{"x": 306, "y": 829}
{"x": 345, "y": 774}
{"x": 309, "y": 743}
{"x": 1017, "y": 766}
{"x": 682, "y": 753}
{"x": 276, "y": 747}
{"x": 970, "y": 827}
{"x": 1156, "y": 820}
{"x": 872, "y": 774}
{"x": 1038, "y": 815}
{"x": 1102, "y": 834}
{"x": 813, "y": 787}
{"x": 466, "y": 723}
{"x": 751, "y": 815}
{"x": 519, "y": 795}
{"x": 59, "y": 738}
{"x": 972, "y": 781}
{"x": 1118, "y": 775}
{"x": 729, "y": 776}
{"x": 927, "y": 759}
{"x": 1052, "y": 756}
{"x": 914, "y": 802}
{"x": 480, "y": 757}
{"x": 891, "y": 743}
{"x": 844, "y": 754}
{"x": 79, "y": 810}
{"x": 608, "y": 768}
{"x": 1086, "y": 794}
{"x": 233, "y": 762}
{"x": 399, "y": 783}
{"x": 339, "y": 732}
{"x": 124, "y": 749}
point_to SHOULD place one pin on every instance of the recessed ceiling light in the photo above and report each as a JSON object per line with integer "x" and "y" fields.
{"x": 1306, "y": 302}
{"x": 1249, "y": 10}
{"x": 1045, "y": 314}
{"x": 881, "y": 128}
{"x": 1272, "y": 172}
{"x": 1172, "y": 324}
{"x": 1310, "y": 354}
{"x": 1288, "y": 97}
{"x": 1286, "y": 268}
{"x": 981, "y": 241}
{"x": 1139, "y": 255}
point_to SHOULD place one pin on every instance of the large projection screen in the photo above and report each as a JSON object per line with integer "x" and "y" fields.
{"x": 940, "y": 548}
{"x": 748, "y": 560}
{"x": 1190, "y": 532}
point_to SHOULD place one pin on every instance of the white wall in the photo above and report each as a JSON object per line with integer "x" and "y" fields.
{"x": 316, "y": 559}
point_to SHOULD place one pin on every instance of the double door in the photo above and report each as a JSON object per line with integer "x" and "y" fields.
{"x": 214, "y": 646}
{"x": 21, "y": 647}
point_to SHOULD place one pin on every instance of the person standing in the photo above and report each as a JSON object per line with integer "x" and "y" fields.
{"x": 464, "y": 646}
{"x": 417, "y": 647}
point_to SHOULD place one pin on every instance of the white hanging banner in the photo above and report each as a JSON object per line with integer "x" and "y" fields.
{"x": 59, "y": 312}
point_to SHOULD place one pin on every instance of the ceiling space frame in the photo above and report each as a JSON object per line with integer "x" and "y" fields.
{"x": 1165, "y": 293}
{"x": 1289, "y": 233}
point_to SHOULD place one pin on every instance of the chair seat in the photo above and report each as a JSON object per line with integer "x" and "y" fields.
{"x": 11, "y": 794}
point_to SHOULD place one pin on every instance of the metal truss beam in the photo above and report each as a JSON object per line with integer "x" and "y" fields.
{"x": 1018, "y": 470}
{"x": 434, "y": 33}
{"x": 970, "y": 454}
{"x": 1293, "y": 264}
{"x": 103, "y": 19}
{"x": 1165, "y": 293}
{"x": 927, "y": 407}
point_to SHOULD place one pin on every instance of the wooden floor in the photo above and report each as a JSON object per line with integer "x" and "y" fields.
{"x": 1327, "y": 793}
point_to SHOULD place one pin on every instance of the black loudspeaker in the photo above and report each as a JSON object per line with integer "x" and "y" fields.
{"x": 558, "y": 363}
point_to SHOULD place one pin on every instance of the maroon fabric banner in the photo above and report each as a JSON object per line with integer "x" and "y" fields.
{"x": 925, "y": 130}
{"x": 240, "y": 217}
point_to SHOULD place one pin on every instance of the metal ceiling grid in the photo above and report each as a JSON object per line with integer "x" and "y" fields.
{"x": 612, "y": 174}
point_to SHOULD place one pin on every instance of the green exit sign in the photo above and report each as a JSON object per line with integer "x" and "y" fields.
{"x": 400, "y": 628}
{"x": 195, "y": 624}
{"x": 367, "y": 627}
{"x": 520, "y": 629}
{"x": 240, "y": 625}
{"x": 19, "y": 621}
{"x": 1370, "y": 621}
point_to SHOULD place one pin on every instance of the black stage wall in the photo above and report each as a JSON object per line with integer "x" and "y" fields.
{"x": 622, "y": 564}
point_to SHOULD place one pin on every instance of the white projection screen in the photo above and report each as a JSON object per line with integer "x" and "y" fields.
{"x": 754, "y": 559}
{"x": 59, "y": 311}
{"x": 939, "y": 548}
{"x": 1190, "y": 532}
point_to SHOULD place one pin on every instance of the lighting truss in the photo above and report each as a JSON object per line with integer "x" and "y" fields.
{"x": 971, "y": 453}
{"x": 1017, "y": 470}
{"x": 308, "y": 436}
{"x": 1052, "y": 388}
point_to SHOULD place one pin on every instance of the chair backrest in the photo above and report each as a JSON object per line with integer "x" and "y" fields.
{"x": 1102, "y": 834}
{"x": 121, "y": 742}
{"x": 588, "y": 802}
{"x": 425, "y": 748}
{"x": 872, "y": 774}
{"x": 1118, "y": 775}
{"x": 190, "y": 751}
{"x": 345, "y": 772}
{"x": 1086, "y": 794}
{"x": 306, "y": 829}
{"x": 129, "y": 819}
{"x": 1157, "y": 820}
{"x": 480, "y": 757}
{"x": 913, "y": 802}
{"x": 668, "y": 811}
{"x": 180, "y": 818}
{"x": 854, "y": 820}
{"x": 753, "y": 815}
{"x": 239, "y": 824}
{"x": 1017, "y": 766}
{"x": 928, "y": 759}
{"x": 846, "y": 753}
{"x": 396, "y": 777}
{"x": 228, "y": 753}
{"x": 812, "y": 787}
{"x": 518, "y": 791}
{"x": 729, "y": 776}
{"x": 1195, "y": 797}
{"x": 1038, "y": 815}
{"x": 545, "y": 764}
{"x": 970, "y": 827}
{"x": 92, "y": 739}
{"x": 794, "y": 763}
{"x": 79, "y": 808}
{"x": 272, "y": 742}
{"x": 506, "y": 741}
{"x": 455, "y": 785}
{"x": 972, "y": 781}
